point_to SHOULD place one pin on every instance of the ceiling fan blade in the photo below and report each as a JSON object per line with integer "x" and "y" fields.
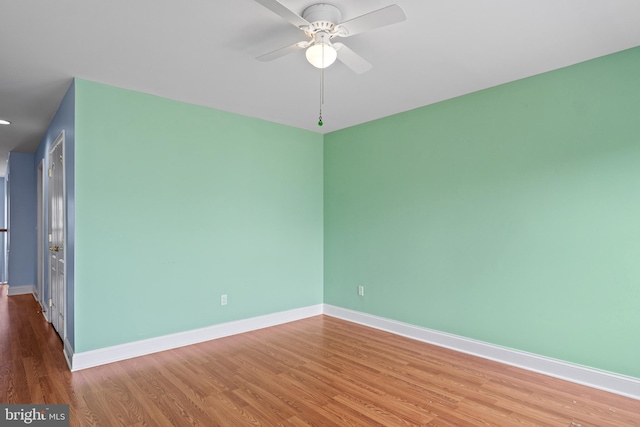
{"x": 282, "y": 51}
{"x": 376, "y": 19}
{"x": 351, "y": 59}
{"x": 279, "y": 9}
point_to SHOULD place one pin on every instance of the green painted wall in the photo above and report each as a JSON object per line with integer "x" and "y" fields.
{"x": 177, "y": 204}
{"x": 511, "y": 215}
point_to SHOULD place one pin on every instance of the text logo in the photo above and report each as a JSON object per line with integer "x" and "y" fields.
{"x": 34, "y": 415}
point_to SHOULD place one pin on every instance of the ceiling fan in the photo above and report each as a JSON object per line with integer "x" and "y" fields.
{"x": 321, "y": 23}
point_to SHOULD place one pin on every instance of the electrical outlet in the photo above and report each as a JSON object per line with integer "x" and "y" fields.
{"x": 361, "y": 290}
{"x": 223, "y": 299}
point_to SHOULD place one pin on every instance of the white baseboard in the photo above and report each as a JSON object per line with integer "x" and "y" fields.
{"x": 89, "y": 359}
{"x": 45, "y": 312}
{"x": 68, "y": 352}
{"x": 614, "y": 383}
{"x": 21, "y": 290}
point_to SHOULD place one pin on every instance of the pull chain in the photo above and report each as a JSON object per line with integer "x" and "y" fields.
{"x": 321, "y": 88}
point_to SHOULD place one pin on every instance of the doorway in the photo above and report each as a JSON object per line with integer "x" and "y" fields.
{"x": 57, "y": 236}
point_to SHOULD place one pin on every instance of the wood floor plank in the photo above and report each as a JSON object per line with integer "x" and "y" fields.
{"x": 319, "y": 371}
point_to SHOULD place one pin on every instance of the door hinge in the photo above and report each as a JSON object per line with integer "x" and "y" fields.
{"x": 49, "y": 172}
{"x": 50, "y": 302}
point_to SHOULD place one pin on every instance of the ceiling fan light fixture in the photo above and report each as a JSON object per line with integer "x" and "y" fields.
{"x": 321, "y": 55}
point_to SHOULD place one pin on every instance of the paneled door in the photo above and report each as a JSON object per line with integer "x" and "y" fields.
{"x": 57, "y": 284}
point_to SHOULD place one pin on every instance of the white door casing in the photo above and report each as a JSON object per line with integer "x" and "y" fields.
{"x": 56, "y": 237}
{"x": 41, "y": 238}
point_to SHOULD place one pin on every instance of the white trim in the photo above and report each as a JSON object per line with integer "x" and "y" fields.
{"x": 607, "y": 381}
{"x": 68, "y": 352}
{"x": 89, "y": 359}
{"x": 21, "y": 290}
{"x": 40, "y": 231}
{"x": 43, "y": 310}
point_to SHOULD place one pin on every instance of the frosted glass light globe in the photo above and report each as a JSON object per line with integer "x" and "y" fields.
{"x": 315, "y": 55}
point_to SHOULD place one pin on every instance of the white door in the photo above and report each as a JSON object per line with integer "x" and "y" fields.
{"x": 57, "y": 284}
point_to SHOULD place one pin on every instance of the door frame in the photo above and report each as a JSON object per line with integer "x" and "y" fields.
{"x": 40, "y": 297}
{"x": 59, "y": 140}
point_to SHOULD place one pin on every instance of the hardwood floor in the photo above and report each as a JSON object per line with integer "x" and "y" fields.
{"x": 319, "y": 371}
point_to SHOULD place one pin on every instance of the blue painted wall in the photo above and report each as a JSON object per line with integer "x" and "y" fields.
{"x": 63, "y": 120}
{"x": 22, "y": 220}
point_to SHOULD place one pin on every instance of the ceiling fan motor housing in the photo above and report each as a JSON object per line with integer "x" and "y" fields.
{"x": 322, "y": 16}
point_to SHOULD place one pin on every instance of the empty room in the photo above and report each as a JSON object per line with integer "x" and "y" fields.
{"x": 282, "y": 212}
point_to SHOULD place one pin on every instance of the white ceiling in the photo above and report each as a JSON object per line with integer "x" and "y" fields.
{"x": 203, "y": 52}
